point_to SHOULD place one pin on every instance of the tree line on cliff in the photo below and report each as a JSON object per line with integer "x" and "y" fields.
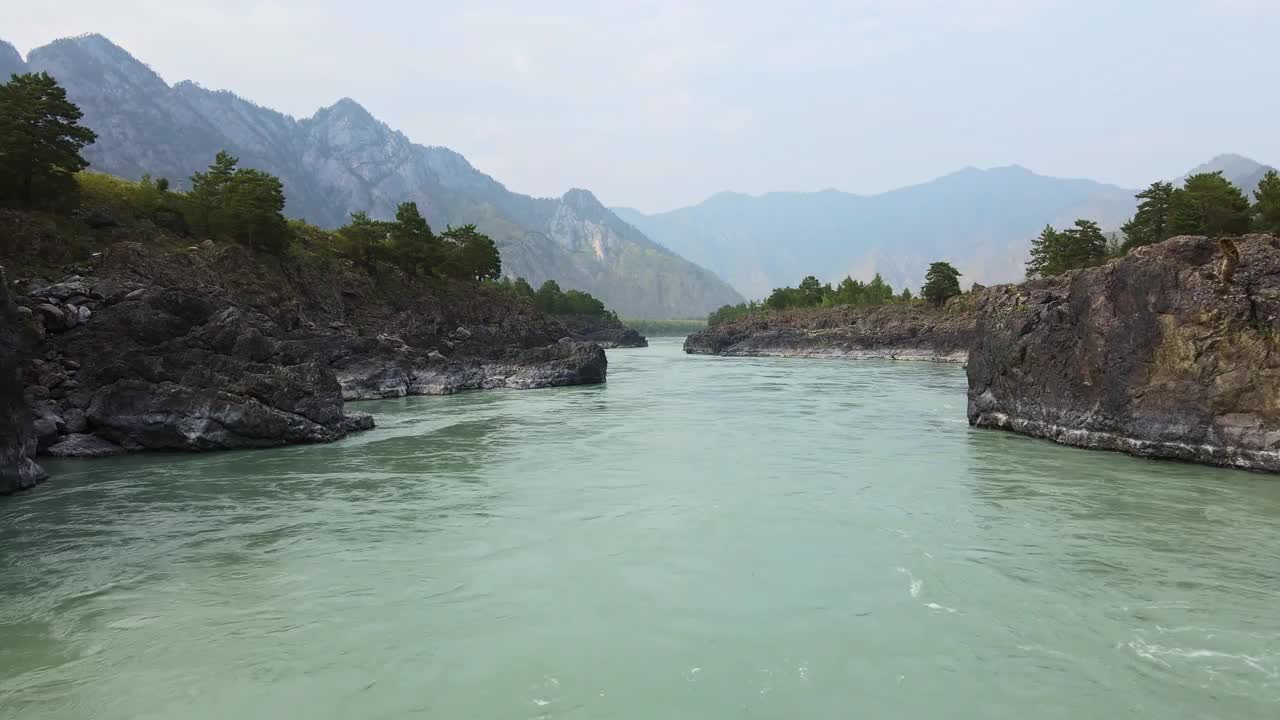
{"x": 41, "y": 167}
{"x": 942, "y": 282}
{"x": 1206, "y": 204}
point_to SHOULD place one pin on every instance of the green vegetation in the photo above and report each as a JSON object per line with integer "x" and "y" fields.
{"x": 941, "y": 283}
{"x": 1206, "y": 204}
{"x": 1056, "y": 252}
{"x": 239, "y": 204}
{"x": 551, "y": 300}
{"x": 40, "y": 142}
{"x": 729, "y": 313}
{"x": 1267, "y": 211}
{"x": 1154, "y": 218}
{"x": 813, "y": 294}
{"x": 41, "y": 166}
{"x": 666, "y": 328}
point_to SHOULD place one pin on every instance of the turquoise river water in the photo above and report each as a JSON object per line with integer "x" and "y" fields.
{"x": 699, "y": 538}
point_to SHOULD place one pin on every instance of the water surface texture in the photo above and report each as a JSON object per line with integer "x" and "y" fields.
{"x": 699, "y": 538}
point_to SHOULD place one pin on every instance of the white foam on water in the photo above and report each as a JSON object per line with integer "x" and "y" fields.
{"x": 936, "y": 606}
{"x": 1158, "y": 653}
{"x": 916, "y": 585}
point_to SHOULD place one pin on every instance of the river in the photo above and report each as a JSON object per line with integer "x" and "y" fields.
{"x": 699, "y": 538}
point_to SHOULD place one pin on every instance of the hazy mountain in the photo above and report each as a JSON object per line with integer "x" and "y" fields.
{"x": 342, "y": 159}
{"x": 981, "y": 220}
{"x": 10, "y": 61}
{"x": 1243, "y": 172}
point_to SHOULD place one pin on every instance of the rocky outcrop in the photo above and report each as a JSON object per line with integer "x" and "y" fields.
{"x": 605, "y": 332}
{"x": 133, "y": 366}
{"x": 894, "y": 332}
{"x": 159, "y": 346}
{"x": 382, "y": 367}
{"x": 1152, "y": 354}
{"x": 17, "y": 434}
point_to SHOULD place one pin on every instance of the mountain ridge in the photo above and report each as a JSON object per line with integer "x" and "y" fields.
{"x": 343, "y": 159}
{"x": 980, "y": 219}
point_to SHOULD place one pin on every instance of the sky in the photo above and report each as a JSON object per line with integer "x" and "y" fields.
{"x": 658, "y": 104}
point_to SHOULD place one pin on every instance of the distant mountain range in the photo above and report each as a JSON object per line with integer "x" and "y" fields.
{"x": 342, "y": 160}
{"x": 980, "y": 220}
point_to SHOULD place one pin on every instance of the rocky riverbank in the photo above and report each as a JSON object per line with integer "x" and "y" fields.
{"x": 1154, "y": 354}
{"x": 896, "y": 332}
{"x": 606, "y": 332}
{"x": 18, "y": 470}
{"x": 211, "y": 346}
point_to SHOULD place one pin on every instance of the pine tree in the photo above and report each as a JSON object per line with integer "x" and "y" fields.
{"x": 364, "y": 240}
{"x": 40, "y": 141}
{"x": 1151, "y": 223}
{"x": 1055, "y": 252}
{"x": 209, "y": 191}
{"x": 417, "y": 250}
{"x": 241, "y": 204}
{"x": 941, "y": 283}
{"x": 1208, "y": 204}
{"x": 549, "y": 299}
{"x": 471, "y": 254}
{"x": 878, "y": 292}
{"x": 810, "y": 292}
{"x": 1085, "y": 245}
{"x": 1267, "y": 210}
{"x": 1046, "y": 252}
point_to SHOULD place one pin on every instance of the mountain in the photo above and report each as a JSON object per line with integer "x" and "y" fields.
{"x": 1243, "y": 172}
{"x": 11, "y": 61}
{"x": 342, "y": 159}
{"x": 980, "y": 220}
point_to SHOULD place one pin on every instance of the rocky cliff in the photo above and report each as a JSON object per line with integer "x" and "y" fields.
{"x": 160, "y": 345}
{"x": 17, "y": 439}
{"x": 894, "y": 332}
{"x": 1155, "y": 354}
{"x": 605, "y": 332}
{"x": 342, "y": 160}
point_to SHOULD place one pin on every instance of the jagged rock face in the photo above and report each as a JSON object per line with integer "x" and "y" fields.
{"x": 180, "y": 368}
{"x": 605, "y": 333}
{"x": 891, "y": 332}
{"x": 17, "y": 434}
{"x": 213, "y": 347}
{"x": 343, "y": 160}
{"x": 1152, "y": 354}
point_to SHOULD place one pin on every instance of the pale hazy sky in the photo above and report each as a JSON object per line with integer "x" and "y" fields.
{"x": 660, "y": 104}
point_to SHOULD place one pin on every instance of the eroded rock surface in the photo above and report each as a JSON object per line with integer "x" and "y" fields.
{"x": 213, "y": 347}
{"x": 1152, "y": 354}
{"x": 889, "y": 331}
{"x": 18, "y": 470}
